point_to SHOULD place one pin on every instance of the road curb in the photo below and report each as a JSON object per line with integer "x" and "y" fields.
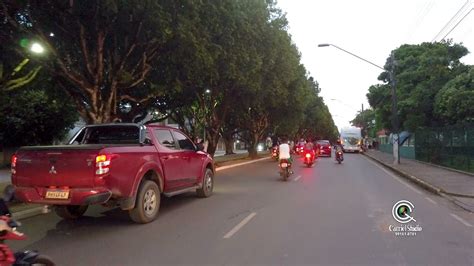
{"x": 427, "y": 186}
{"x": 422, "y": 183}
{"x": 240, "y": 164}
{"x": 28, "y": 213}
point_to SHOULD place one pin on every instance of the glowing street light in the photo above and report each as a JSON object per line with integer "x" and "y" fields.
{"x": 37, "y": 48}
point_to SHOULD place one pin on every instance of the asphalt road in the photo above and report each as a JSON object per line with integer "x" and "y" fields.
{"x": 329, "y": 214}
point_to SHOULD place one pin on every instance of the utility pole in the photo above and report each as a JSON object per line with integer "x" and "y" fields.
{"x": 395, "y": 136}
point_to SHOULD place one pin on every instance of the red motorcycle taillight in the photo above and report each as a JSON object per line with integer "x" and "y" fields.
{"x": 308, "y": 155}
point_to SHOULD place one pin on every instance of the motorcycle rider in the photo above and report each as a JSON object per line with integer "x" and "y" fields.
{"x": 309, "y": 148}
{"x": 284, "y": 151}
{"x": 338, "y": 147}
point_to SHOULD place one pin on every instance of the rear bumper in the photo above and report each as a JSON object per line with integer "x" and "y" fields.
{"x": 77, "y": 196}
{"x": 325, "y": 152}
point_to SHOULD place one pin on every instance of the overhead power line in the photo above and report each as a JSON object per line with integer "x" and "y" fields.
{"x": 450, "y": 21}
{"x": 457, "y": 23}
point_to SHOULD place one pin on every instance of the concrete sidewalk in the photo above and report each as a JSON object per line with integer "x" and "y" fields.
{"x": 457, "y": 186}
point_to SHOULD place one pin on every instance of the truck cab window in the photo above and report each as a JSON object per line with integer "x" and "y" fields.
{"x": 165, "y": 138}
{"x": 184, "y": 142}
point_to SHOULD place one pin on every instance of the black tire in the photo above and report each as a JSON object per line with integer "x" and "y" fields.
{"x": 70, "y": 212}
{"x": 42, "y": 260}
{"x": 147, "y": 204}
{"x": 207, "y": 184}
{"x": 286, "y": 174}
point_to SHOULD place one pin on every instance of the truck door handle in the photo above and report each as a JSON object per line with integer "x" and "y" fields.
{"x": 165, "y": 157}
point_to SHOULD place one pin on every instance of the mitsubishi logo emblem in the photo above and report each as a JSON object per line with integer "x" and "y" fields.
{"x": 52, "y": 170}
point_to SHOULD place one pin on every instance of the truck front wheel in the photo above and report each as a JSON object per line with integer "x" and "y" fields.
{"x": 207, "y": 184}
{"x": 147, "y": 204}
{"x": 70, "y": 211}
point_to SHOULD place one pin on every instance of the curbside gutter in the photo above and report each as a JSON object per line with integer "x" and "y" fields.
{"x": 427, "y": 186}
{"x": 28, "y": 213}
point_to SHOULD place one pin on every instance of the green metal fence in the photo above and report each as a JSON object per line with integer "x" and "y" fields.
{"x": 449, "y": 146}
{"x": 405, "y": 151}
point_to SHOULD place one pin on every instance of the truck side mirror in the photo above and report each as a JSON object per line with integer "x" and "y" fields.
{"x": 199, "y": 147}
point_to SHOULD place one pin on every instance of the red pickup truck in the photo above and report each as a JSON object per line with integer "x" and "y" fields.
{"x": 125, "y": 165}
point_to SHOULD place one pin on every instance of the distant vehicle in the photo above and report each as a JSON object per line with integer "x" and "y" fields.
{"x": 324, "y": 147}
{"x": 351, "y": 139}
{"x": 124, "y": 165}
{"x": 299, "y": 147}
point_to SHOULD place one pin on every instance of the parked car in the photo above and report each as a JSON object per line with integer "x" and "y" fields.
{"x": 324, "y": 147}
{"x": 125, "y": 165}
{"x": 299, "y": 147}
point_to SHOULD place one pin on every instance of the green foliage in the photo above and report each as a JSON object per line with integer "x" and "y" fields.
{"x": 35, "y": 115}
{"x": 420, "y": 72}
{"x": 165, "y": 55}
{"x": 455, "y": 101}
{"x": 364, "y": 120}
{"x": 101, "y": 52}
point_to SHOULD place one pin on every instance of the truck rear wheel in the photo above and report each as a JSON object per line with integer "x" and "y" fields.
{"x": 207, "y": 184}
{"x": 147, "y": 204}
{"x": 70, "y": 211}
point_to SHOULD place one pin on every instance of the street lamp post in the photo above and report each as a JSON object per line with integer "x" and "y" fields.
{"x": 396, "y": 152}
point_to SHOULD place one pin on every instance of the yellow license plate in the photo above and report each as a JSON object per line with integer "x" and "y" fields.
{"x": 57, "y": 194}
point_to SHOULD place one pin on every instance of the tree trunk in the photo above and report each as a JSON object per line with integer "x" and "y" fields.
{"x": 212, "y": 138}
{"x": 229, "y": 142}
{"x": 253, "y": 142}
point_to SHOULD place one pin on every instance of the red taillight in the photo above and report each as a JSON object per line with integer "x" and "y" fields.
{"x": 308, "y": 155}
{"x": 102, "y": 164}
{"x": 14, "y": 159}
{"x": 13, "y": 164}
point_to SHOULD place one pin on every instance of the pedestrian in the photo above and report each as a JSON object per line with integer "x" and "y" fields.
{"x": 268, "y": 143}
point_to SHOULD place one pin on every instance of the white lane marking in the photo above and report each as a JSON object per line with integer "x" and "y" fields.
{"x": 239, "y": 164}
{"x": 461, "y": 220}
{"x": 297, "y": 178}
{"x": 395, "y": 177}
{"x": 432, "y": 201}
{"x": 240, "y": 225}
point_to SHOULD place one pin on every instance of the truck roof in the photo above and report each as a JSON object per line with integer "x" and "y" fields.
{"x": 155, "y": 125}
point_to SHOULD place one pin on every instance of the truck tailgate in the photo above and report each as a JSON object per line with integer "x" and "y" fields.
{"x": 66, "y": 166}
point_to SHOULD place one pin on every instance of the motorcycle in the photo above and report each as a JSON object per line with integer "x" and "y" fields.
{"x": 339, "y": 156}
{"x": 309, "y": 158}
{"x": 8, "y": 231}
{"x": 275, "y": 154}
{"x": 285, "y": 171}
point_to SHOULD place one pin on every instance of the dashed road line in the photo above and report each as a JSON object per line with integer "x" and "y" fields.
{"x": 395, "y": 177}
{"x": 297, "y": 178}
{"x": 460, "y": 220}
{"x": 432, "y": 201}
{"x": 240, "y": 225}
